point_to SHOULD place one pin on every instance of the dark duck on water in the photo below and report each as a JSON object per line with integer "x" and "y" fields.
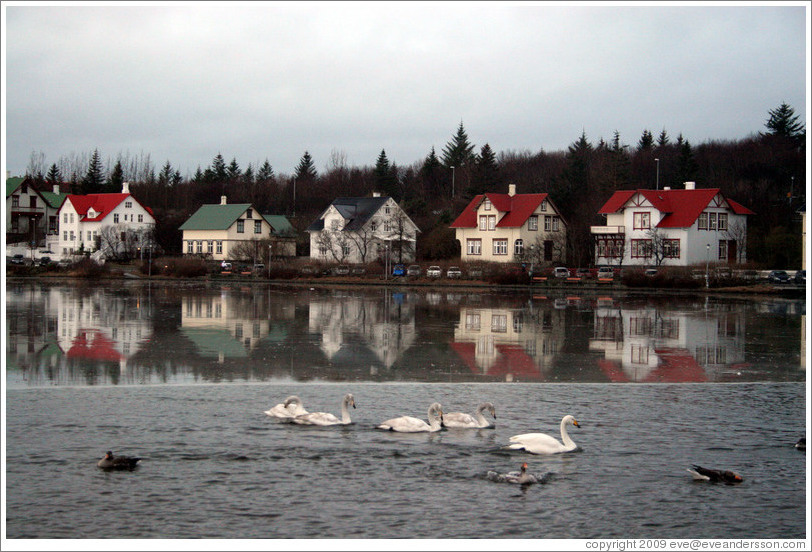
{"x": 111, "y": 462}
{"x": 715, "y": 476}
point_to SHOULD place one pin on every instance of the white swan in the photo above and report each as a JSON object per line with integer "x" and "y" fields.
{"x": 408, "y": 424}
{"x": 325, "y": 418}
{"x": 287, "y": 410}
{"x": 539, "y": 443}
{"x": 461, "y": 419}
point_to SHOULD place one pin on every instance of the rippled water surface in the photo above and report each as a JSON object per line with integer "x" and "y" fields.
{"x": 214, "y": 465}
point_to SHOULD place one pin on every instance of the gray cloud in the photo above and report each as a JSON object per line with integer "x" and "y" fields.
{"x": 256, "y": 81}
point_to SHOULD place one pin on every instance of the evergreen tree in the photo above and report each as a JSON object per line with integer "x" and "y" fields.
{"x": 620, "y": 165}
{"x": 385, "y": 177}
{"x": 248, "y": 175}
{"x": 306, "y": 170}
{"x": 430, "y": 174}
{"x": 93, "y": 182}
{"x": 576, "y": 174}
{"x": 218, "y": 170}
{"x": 233, "y": 171}
{"x": 687, "y": 166}
{"x": 646, "y": 141}
{"x": 663, "y": 140}
{"x": 486, "y": 176}
{"x": 54, "y": 177}
{"x": 165, "y": 176}
{"x": 458, "y": 152}
{"x": 116, "y": 179}
{"x": 783, "y": 122}
{"x": 265, "y": 173}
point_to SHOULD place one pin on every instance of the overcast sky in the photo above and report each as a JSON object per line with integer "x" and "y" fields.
{"x": 261, "y": 81}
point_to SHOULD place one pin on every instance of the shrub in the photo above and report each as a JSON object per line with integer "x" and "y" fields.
{"x": 88, "y": 268}
{"x": 180, "y": 267}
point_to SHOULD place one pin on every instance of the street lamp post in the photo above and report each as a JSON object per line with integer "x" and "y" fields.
{"x": 707, "y": 257}
{"x": 658, "y": 172}
{"x": 452, "y": 180}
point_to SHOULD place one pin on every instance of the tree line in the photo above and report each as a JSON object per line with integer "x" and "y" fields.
{"x": 766, "y": 172}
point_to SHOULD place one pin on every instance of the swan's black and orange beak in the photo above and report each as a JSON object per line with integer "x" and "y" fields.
{"x": 575, "y": 423}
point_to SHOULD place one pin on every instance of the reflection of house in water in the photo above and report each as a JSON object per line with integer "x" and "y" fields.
{"x": 642, "y": 345}
{"x": 384, "y": 327}
{"x": 509, "y": 344}
{"x": 229, "y": 325}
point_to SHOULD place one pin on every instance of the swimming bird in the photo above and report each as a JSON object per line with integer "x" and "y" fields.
{"x": 521, "y": 477}
{"x": 461, "y": 419}
{"x": 110, "y": 462}
{"x": 289, "y": 409}
{"x": 539, "y": 443}
{"x": 715, "y": 476}
{"x": 408, "y": 424}
{"x": 801, "y": 444}
{"x": 325, "y": 418}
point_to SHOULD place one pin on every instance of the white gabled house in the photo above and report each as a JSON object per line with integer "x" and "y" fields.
{"x": 671, "y": 228}
{"x": 104, "y": 226}
{"x": 363, "y": 229}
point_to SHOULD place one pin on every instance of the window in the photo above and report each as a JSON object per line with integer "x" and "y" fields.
{"x": 671, "y": 249}
{"x": 639, "y": 354}
{"x": 712, "y": 220}
{"x": 556, "y": 220}
{"x": 190, "y": 247}
{"x": 486, "y": 205}
{"x": 240, "y": 226}
{"x": 33, "y": 203}
{"x": 387, "y": 227}
{"x": 372, "y": 226}
{"x": 548, "y": 223}
{"x": 257, "y": 227}
{"x": 500, "y": 247}
{"x": 386, "y": 209}
{"x": 140, "y": 218}
{"x": 210, "y": 248}
{"x": 641, "y": 248}
{"x": 722, "y": 250}
{"x": 702, "y": 224}
{"x": 128, "y": 204}
{"x": 499, "y": 323}
{"x": 472, "y": 321}
{"x": 71, "y": 218}
{"x": 642, "y": 221}
{"x": 249, "y": 213}
{"x": 115, "y": 218}
{"x": 65, "y": 218}
{"x": 200, "y": 247}
{"x": 15, "y": 202}
{"x": 533, "y": 223}
{"x": 72, "y": 236}
{"x": 345, "y": 249}
{"x": 543, "y": 206}
{"x": 722, "y": 221}
{"x": 65, "y": 235}
{"x": 474, "y": 247}
{"x": 219, "y": 247}
{"x": 518, "y": 248}
{"x": 483, "y": 223}
{"x": 491, "y": 222}
{"x": 89, "y": 236}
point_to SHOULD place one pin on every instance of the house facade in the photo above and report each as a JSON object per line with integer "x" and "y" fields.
{"x": 361, "y": 230}
{"x": 236, "y": 231}
{"x": 511, "y": 227}
{"x": 671, "y": 228}
{"x": 27, "y": 212}
{"x": 103, "y": 225}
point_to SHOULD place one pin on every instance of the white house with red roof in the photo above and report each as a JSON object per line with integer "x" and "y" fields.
{"x": 671, "y": 228}
{"x": 511, "y": 227}
{"x": 105, "y": 225}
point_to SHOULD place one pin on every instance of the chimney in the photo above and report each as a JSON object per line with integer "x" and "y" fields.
{"x": 56, "y": 188}
{"x": 376, "y": 194}
{"x": 511, "y": 190}
{"x": 222, "y": 200}
{"x": 125, "y": 188}
{"x": 666, "y": 188}
{"x": 690, "y": 185}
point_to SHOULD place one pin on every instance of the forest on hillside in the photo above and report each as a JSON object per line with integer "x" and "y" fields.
{"x": 765, "y": 172}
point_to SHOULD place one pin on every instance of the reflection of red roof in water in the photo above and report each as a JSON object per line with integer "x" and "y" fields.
{"x": 512, "y": 359}
{"x": 93, "y": 345}
{"x": 676, "y": 366}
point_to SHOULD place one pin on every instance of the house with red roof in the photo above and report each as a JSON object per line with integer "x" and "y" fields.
{"x": 511, "y": 227}
{"x": 104, "y": 225}
{"x": 671, "y": 228}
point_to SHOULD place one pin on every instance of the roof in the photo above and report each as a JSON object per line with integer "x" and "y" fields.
{"x": 517, "y": 209}
{"x": 281, "y": 226}
{"x": 215, "y": 216}
{"x": 13, "y": 183}
{"x": 54, "y": 200}
{"x": 681, "y": 207}
{"x": 102, "y": 204}
{"x": 355, "y": 210}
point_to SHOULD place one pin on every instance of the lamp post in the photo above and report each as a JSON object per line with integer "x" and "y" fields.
{"x": 707, "y": 257}
{"x": 452, "y": 181}
{"x": 270, "y": 256}
{"x": 658, "y": 172}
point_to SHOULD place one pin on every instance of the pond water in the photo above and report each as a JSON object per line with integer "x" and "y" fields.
{"x": 181, "y": 376}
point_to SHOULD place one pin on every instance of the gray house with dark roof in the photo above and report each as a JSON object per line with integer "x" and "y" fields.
{"x": 361, "y": 230}
{"x": 237, "y": 231}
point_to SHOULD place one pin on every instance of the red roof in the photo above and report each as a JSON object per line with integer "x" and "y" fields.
{"x": 516, "y": 208}
{"x": 94, "y": 345}
{"x": 512, "y": 359}
{"x": 681, "y": 207}
{"x": 103, "y": 204}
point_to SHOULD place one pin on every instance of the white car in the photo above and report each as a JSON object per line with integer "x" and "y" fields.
{"x": 454, "y": 272}
{"x": 561, "y": 272}
{"x": 434, "y": 271}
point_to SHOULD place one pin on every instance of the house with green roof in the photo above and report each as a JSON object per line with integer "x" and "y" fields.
{"x": 236, "y": 232}
{"x": 31, "y": 214}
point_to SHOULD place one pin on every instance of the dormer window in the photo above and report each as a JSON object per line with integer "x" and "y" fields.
{"x": 543, "y": 206}
{"x": 486, "y": 205}
{"x": 249, "y": 213}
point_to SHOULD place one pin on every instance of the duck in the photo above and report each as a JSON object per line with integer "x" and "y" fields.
{"x": 111, "y": 462}
{"x": 463, "y": 420}
{"x": 327, "y": 419}
{"x": 539, "y": 443}
{"x": 801, "y": 444}
{"x": 287, "y": 410}
{"x": 715, "y": 476}
{"x": 408, "y": 424}
{"x": 521, "y": 477}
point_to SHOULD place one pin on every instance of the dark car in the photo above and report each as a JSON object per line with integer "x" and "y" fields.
{"x": 778, "y": 277}
{"x": 399, "y": 270}
{"x": 44, "y": 261}
{"x": 413, "y": 270}
{"x": 800, "y": 277}
{"x": 17, "y": 259}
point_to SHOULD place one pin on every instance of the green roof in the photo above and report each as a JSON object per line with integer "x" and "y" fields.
{"x": 281, "y": 226}
{"x": 212, "y": 342}
{"x": 12, "y": 184}
{"x": 55, "y": 200}
{"x": 215, "y": 217}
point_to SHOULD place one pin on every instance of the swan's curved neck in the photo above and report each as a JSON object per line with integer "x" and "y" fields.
{"x": 434, "y": 420}
{"x": 565, "y": 437}
{"x": 345, "y": 412}
{"x": 480, "y": 418}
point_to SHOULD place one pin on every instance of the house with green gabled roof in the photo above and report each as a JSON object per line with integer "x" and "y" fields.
{"x": 31, "y": 214}
{"x": 236, "y": 232}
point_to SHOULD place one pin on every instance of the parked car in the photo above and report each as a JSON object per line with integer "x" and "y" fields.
{"x": 778, "y": 277}
{"x": 358, "y": 270}
{"x": 413, "y": 270}
{"x": 606, "y": 272}
{"x": 651, "y": 272}
{"x": 44, "y": 261}
{"x": 341, "y": 270}
{"x": 226, "y": 267}
{"x": 308, "y": 270}
{"x": 259, "y": 266}
{"x": 434, "y": 271}
{"x": 561, "y": 272}
{"x": 454, "y": 272}
{"x": 583, "y": 273}
{"x": 399, "y": 270}
{"x": 17, "y": 259}
{"x": 800, "y": 277}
